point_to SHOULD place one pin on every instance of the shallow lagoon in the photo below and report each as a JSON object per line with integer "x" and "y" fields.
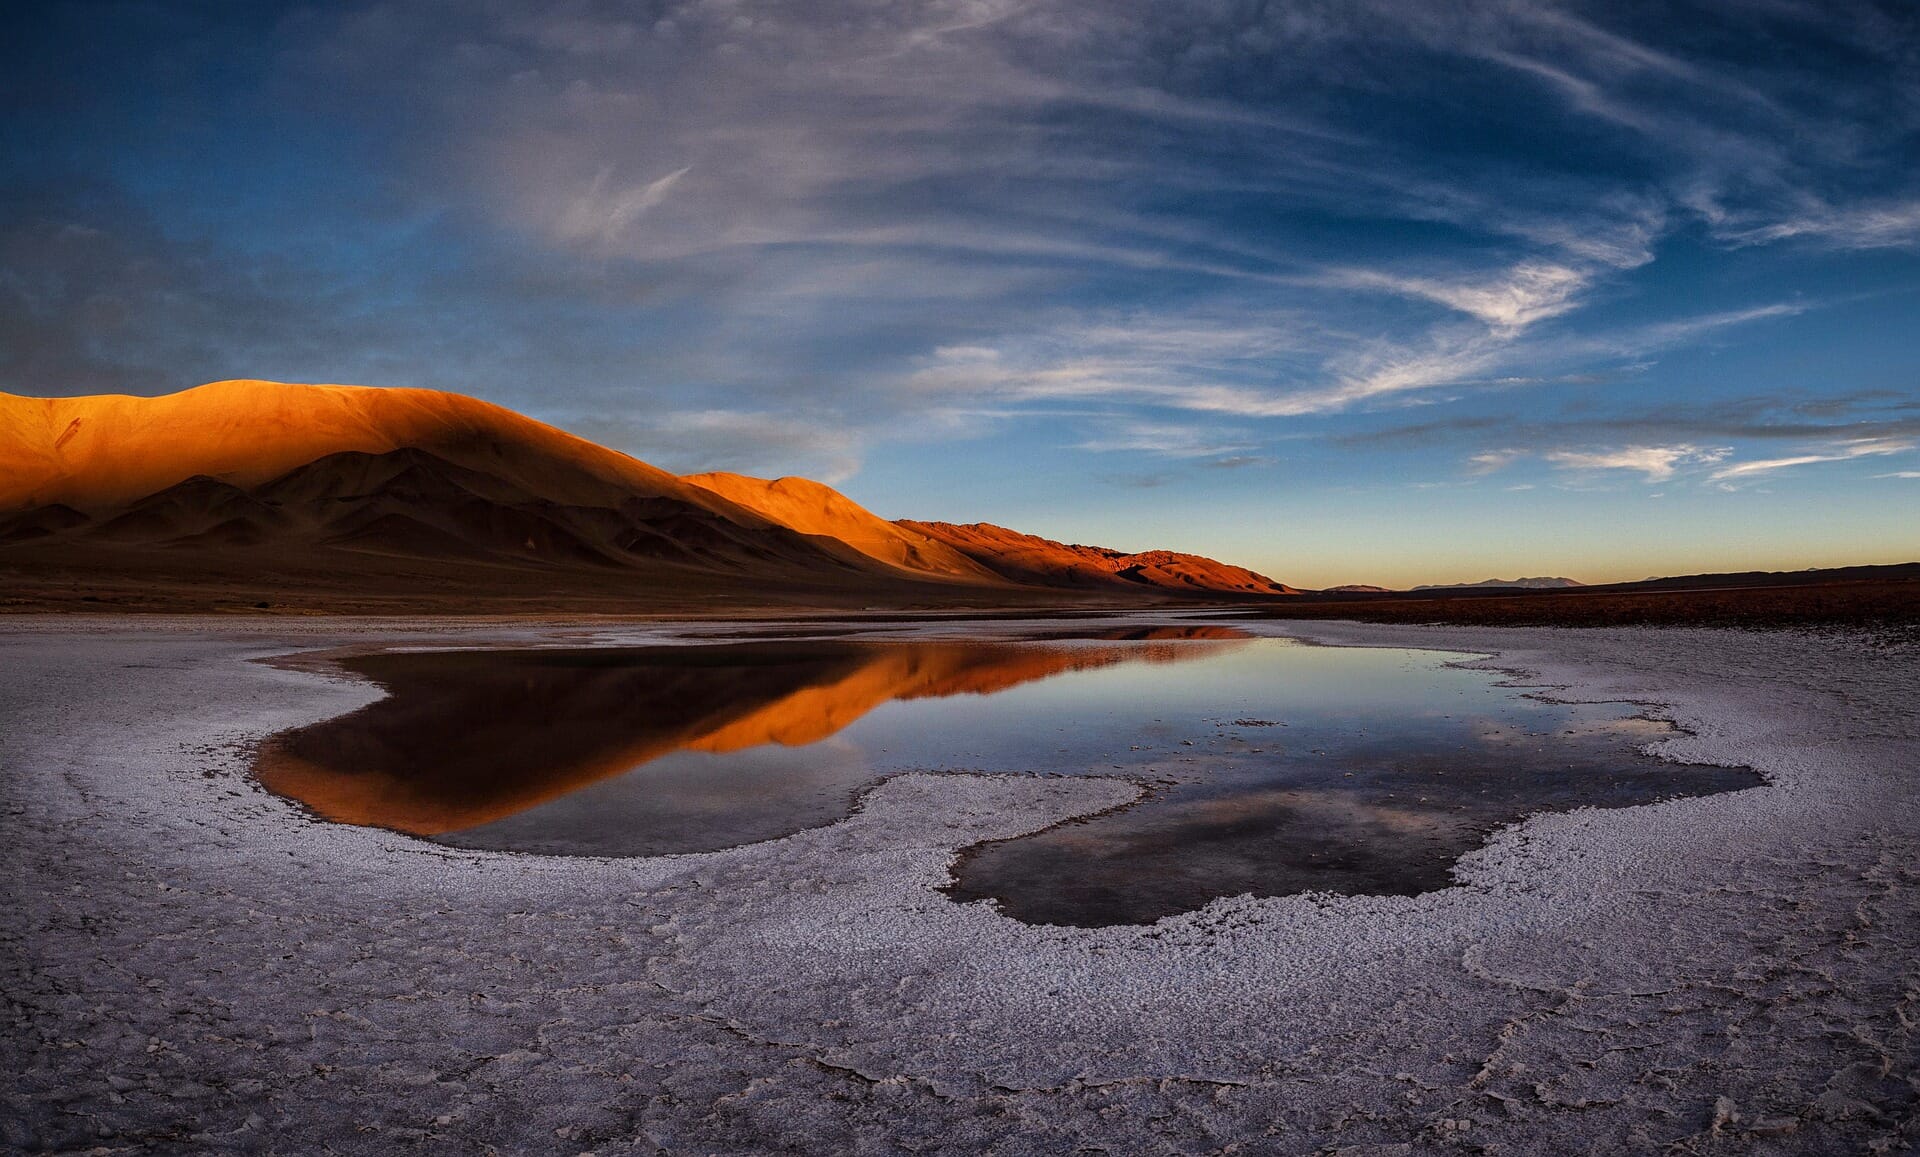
{"x": 1273, "y": 766}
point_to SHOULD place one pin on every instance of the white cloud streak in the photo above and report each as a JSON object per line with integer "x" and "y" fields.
{"x": 1509, "y": 302}
{"x": 1165, "y": 440}
{"x": 1863, "y": 448}
{"x": 1493, "y": 461}
{"x": 604, "y": 211}
{"x": 1657, "y": 463}
{"x": 1868, "y": 226}
{"x": 690, "y": 441}
{"x": 1198, "y": 365}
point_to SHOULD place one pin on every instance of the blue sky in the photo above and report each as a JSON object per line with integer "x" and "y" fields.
{"x": 1380, "y": 292}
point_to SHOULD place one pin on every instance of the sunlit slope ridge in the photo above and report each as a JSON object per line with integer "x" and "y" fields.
{"x": 814, "y": 508}
{"x": 1032, "y": 560}
{"x": 981, "y": 553}
{"x": 101, "y": 451}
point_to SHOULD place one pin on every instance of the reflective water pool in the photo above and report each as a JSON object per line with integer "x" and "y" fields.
{"x": 1275, "y": 767}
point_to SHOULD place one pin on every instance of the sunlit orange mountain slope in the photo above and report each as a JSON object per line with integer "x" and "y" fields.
{"x": 1030, "y": 560}
{"x": 814, "y": 508}
{"x": 101, "y": 451}
{"x": 981, "y": 553}
{"x": 248, "y": 484}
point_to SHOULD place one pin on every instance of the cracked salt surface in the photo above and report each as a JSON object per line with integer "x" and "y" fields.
{"x": 191, "y": 964}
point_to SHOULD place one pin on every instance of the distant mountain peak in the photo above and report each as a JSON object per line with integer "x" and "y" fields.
{"x": 1542, "y": 583}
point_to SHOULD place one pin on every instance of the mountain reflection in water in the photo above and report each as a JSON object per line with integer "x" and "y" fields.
{"x": 466, "y": 739}
{"x": 1277, "y": 767}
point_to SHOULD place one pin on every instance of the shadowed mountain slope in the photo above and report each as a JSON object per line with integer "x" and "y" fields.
{"x": 409, "y": 503}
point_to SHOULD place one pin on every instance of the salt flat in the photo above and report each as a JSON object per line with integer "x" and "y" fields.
{"x": 191, "y": 964}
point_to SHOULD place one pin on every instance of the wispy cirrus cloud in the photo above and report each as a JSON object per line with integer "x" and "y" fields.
{"x": 1667, "y": 334}
{"x": 1882, "y": 225}
{"x": 1040, "y": 133}
{"x": 692, "y": 441}
{"x": 1493, "y": 461}
{"x": 1168, "y": 440}
{"x": 605, "y": 210}
{"x": 1839, "y": 452}
{"x": 1508, "y": 301}
{"x": 1656, "y": 463}
{"x": 794, "y": 233}
{"x": 1766, "y": 418}
{"x": 1662, "y": 463}
{"x": 1206, "y": 366}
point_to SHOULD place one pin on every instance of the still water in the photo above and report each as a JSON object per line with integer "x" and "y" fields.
{"x": 1275, "y": 766}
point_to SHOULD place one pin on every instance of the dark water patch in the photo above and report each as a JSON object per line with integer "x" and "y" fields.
{"x": 1363, "y": 815}
{"x": 1280, "y": 767}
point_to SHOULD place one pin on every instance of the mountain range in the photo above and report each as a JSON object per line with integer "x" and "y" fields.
{"x": 1536, "y": 584}
{"x": 383, "y": 494}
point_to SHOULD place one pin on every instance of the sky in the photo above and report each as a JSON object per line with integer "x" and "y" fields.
{"x": 1369, "y": 291}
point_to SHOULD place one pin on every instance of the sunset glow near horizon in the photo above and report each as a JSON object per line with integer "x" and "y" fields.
{"x": 1381, "y": 292}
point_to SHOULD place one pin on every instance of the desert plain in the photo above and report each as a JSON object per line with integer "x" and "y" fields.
{"x": 195, "y": 964}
